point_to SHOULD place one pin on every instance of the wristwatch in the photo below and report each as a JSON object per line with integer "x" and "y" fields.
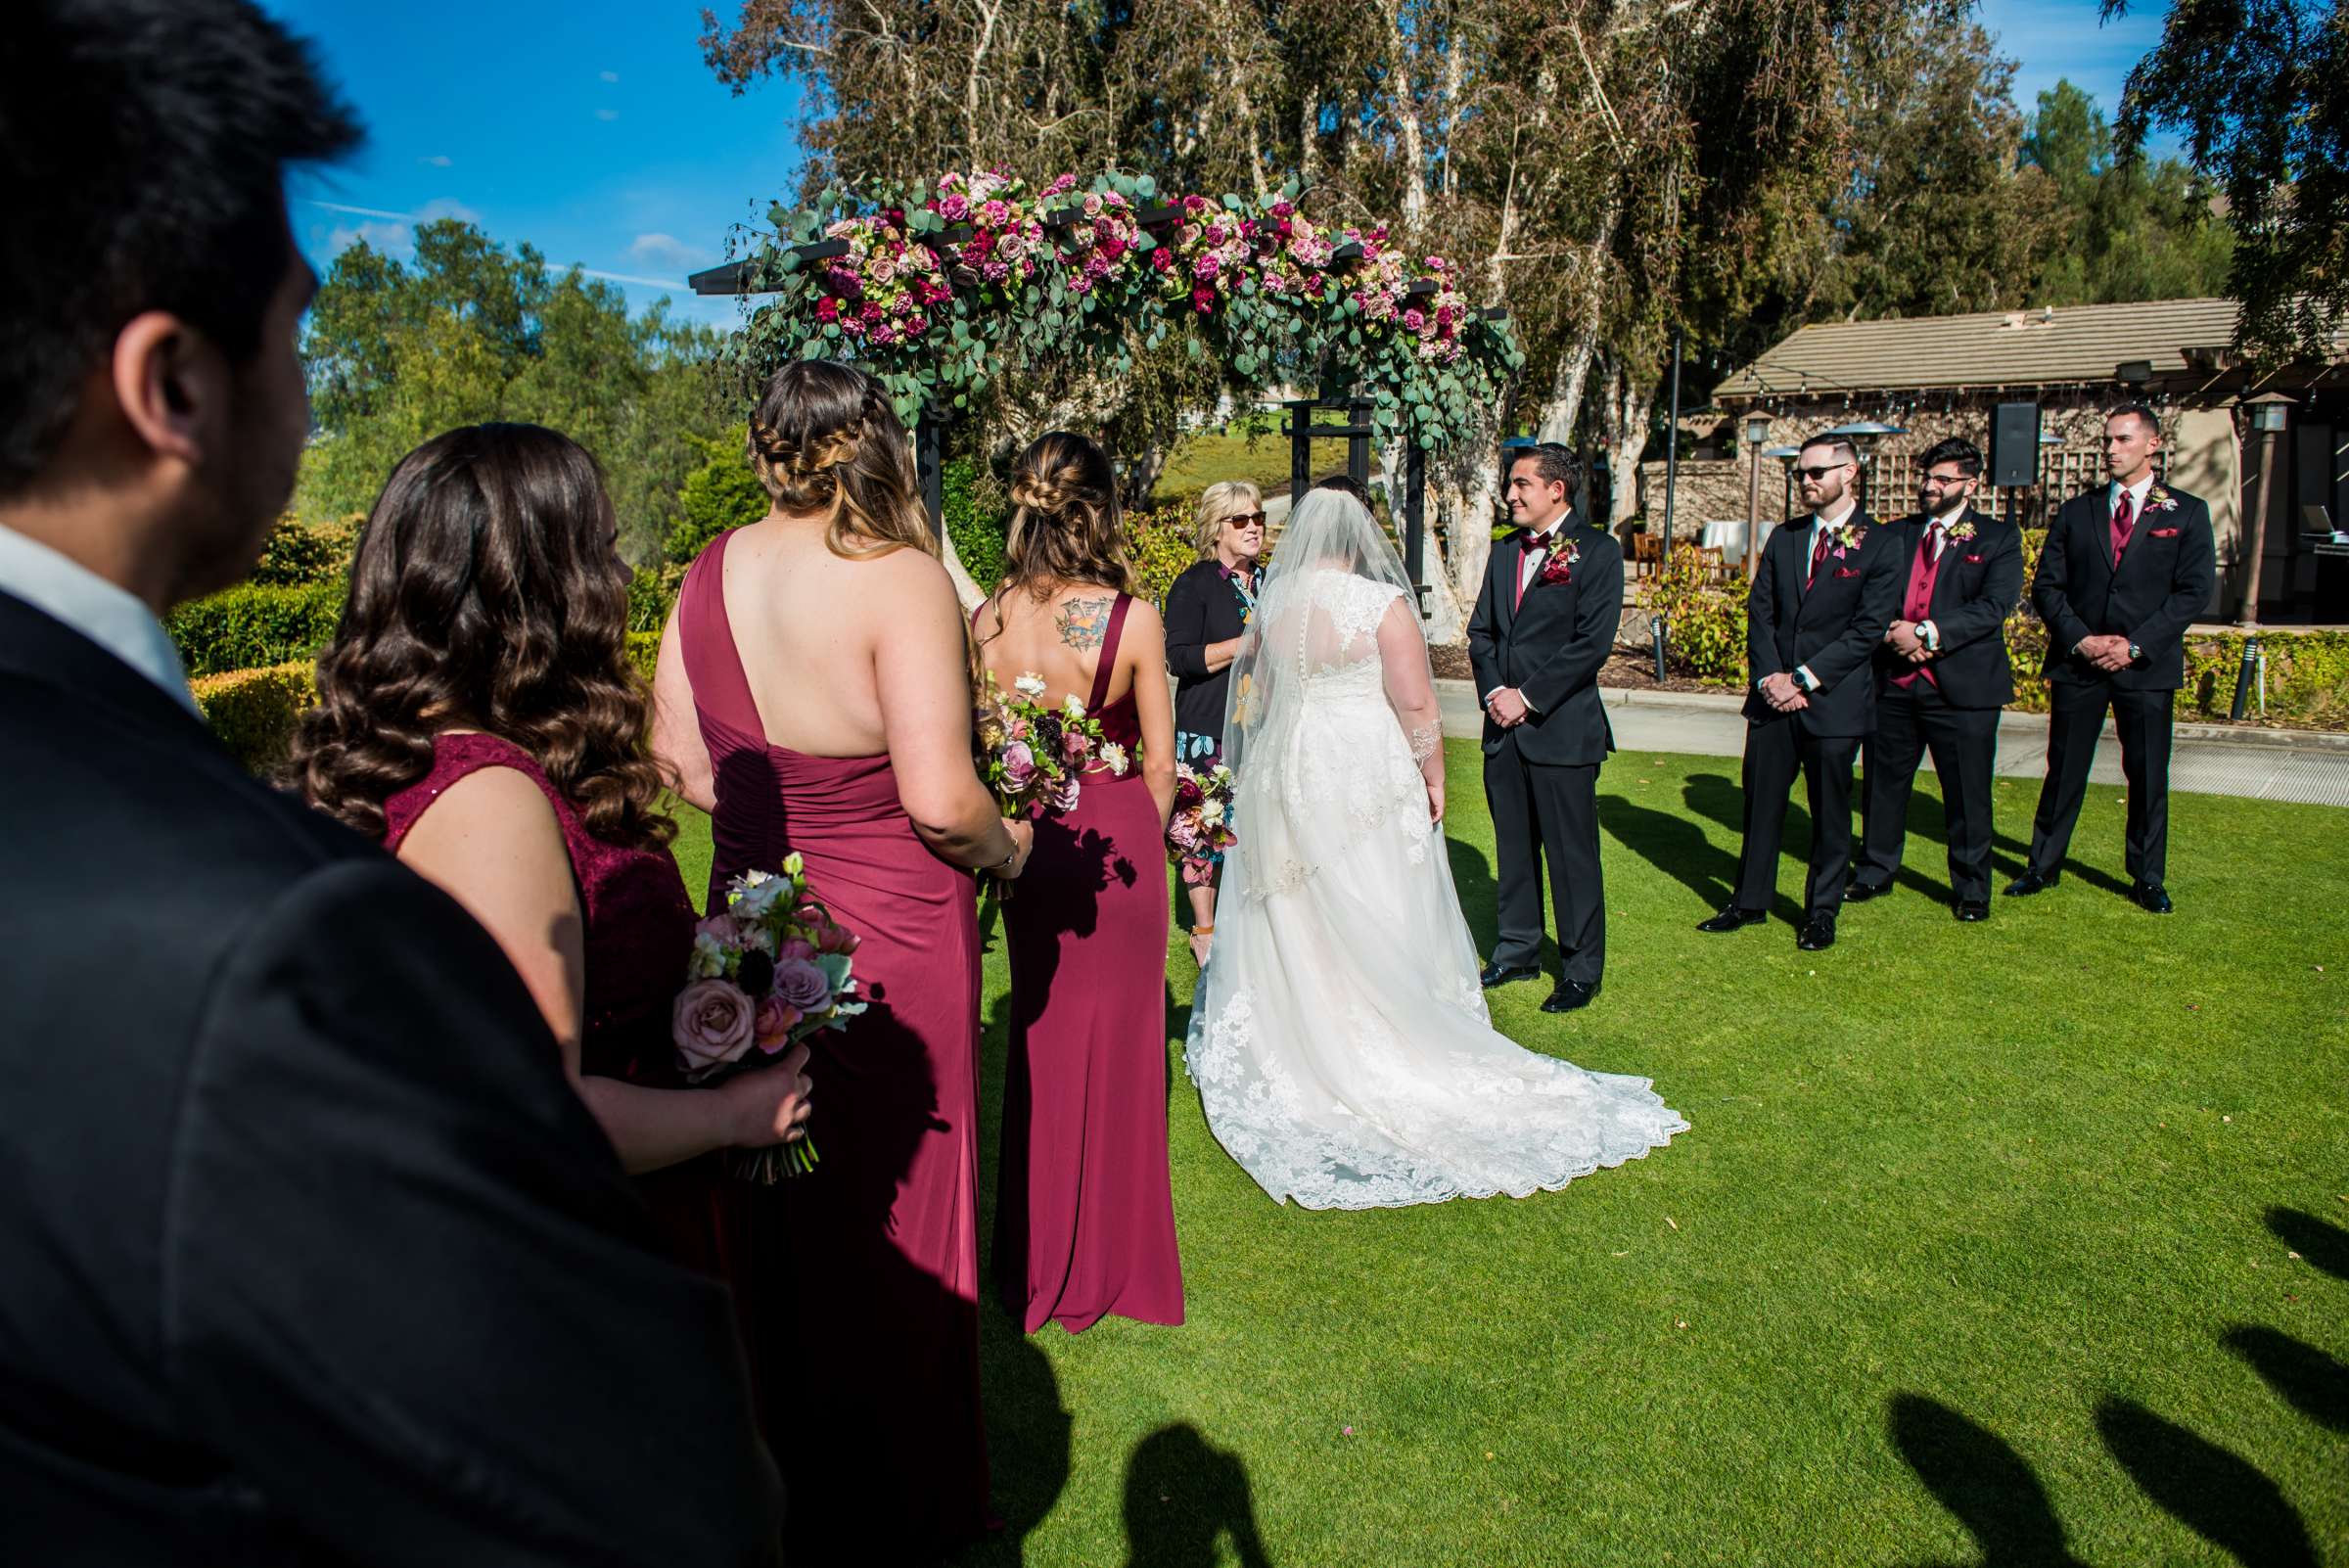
{"x": 2135, "y": 652}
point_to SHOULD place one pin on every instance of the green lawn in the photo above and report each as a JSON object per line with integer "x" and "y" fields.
{"x": 1981, "y": 1248}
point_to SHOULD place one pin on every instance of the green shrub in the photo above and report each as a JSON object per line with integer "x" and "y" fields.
{"x": 254, "y": 712}
{"x": 1161, "y": 545}
{"x": 255, "y": 627}
{"x": 1704, "y": 618}
{"x": 652, "y": 592}
{"x": 977, "y": 519}
{"x": 719, "y": 493}
{"x": 299, "y": 552}
{"x": 2308, "y": 677}
{"x": 644, "y": 651}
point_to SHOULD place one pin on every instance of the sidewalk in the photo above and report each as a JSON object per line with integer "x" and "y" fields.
{"x": 2264, "y": 765}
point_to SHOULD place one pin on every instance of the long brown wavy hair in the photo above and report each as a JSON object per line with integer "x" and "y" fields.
{"x": 824, "y": 440}
{"x": 1065, "y": 526}
{"x": 485, "y": 595}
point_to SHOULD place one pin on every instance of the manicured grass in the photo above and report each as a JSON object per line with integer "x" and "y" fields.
{"x": 1981, "y": 1246}
{"x": 1211, "y": 455}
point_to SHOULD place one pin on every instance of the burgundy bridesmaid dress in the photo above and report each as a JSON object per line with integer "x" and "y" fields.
{"x": 638, "y": 934}
{"x": 872, "y": 1316}
{"x": 1084, "y": 1214}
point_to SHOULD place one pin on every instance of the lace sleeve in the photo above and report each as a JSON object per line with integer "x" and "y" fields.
{"x": 1425, "y": 740}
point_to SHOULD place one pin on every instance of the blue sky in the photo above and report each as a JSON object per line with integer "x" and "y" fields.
{"x": 592, "y": 129}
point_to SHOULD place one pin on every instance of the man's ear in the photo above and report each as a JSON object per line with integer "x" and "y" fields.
{"x": 172, "y": 385}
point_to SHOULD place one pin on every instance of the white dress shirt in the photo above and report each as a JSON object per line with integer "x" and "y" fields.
{"x": 2137, "y": 499}
{"x": 1820, "y": 522}
{"x": 111, "y": 616}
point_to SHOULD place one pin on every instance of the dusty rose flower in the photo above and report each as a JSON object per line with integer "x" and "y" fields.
{"x": 802, "y": 984}
{"x": 1092, "y": 205}
{"x": 772, "y": 1024}
{"x": 1072, "y": 746}
{"x": 1019, "y": 764}
{"x": 710, "y": 1025}
{"x": 882, "y": 269}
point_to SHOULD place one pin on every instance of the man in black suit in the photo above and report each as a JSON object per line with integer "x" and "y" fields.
{"x": 310, "y": 1252}
{"x": 1823, "y": 592}
{"x": 1543, "y": 625}
{"x": 2126, "y": 569}
{"x": 1943, "y": 678}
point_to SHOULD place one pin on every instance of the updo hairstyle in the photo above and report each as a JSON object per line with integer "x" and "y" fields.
{"x": 824, "y": 441}
{"x": 1065, "y": 524}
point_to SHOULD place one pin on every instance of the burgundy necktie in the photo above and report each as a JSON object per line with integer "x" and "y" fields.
{"x": 1819, "y": 553}
{"x": 2124, "y": 522}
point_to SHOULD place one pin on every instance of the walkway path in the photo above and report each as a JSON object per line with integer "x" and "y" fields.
{"x": 2265, "y": 765}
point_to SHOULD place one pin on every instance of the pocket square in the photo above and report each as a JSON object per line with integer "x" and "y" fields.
{"x": 1974, "y": 560}
{"x": 2163, "y": 533}
{"x": 1847, "y": 571}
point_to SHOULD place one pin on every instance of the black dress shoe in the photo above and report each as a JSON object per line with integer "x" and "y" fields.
{"x": 1973, "y": 909}
{"x": 1818, "y": 934}
{"x": 2151, "y": 897}
{"x": 1862, "y": 892}
{"x": 1501, "y": 974}
{"x": 2031, "y": 882}
{"x": 1732, "y": 918}
{"x": 1570, "y": 994}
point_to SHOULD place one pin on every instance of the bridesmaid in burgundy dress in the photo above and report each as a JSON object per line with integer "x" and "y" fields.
{"x": 814, "y": 697}
{"x": 519, "y": 783}
{"x": 1084, "y": 1216}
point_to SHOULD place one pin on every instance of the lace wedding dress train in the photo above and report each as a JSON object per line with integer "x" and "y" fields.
{"x": 1339, "y": 1039}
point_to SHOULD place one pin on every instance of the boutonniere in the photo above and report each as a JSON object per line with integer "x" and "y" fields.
{"x": 1558, "y": 566}
{"x": 1845, "y": 537}
{"x": 2159, "y": 499}
{"x": 1960, "y": 532}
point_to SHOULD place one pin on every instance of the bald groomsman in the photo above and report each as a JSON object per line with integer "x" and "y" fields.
{"x": 2127, "y": 568}
{"x": 1942, "y": 679}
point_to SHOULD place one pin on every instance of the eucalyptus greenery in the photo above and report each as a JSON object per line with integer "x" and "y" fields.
{"x": 1271, "y": 305}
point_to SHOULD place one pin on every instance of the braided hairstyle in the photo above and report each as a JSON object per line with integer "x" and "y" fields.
{"x": 1065, "y": 527}
{"x": 824, "y": 441}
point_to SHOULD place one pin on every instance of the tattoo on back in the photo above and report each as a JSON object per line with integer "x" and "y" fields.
{"x": 1084, "y": 623}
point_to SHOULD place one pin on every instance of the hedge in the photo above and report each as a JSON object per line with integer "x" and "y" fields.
{"x": 254, "y": 710}
{"x": 255, "y": 627}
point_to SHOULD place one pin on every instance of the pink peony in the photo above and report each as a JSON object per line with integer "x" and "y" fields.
{"x": 995, "y": 214}
{"x": 710, "y": 1025}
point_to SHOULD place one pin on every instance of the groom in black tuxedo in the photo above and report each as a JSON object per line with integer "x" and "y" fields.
{"x": 2126, "y": 569}
{"x": 1545, "y": 623}
{"x": 1943, "y": 678}
{"x": 1823, "y": 592}
{"x": 309, "y": 1251}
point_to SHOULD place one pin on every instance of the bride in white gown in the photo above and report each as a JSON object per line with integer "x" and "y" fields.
{"x": 1339, "y": 1038}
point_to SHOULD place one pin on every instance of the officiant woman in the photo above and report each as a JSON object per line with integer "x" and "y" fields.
{"x": 1206, "y": 610}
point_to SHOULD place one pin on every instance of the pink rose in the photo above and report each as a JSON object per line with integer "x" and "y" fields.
{"x": 1092, "y": 205}
{"x": 772, "y": 1024}
{"x": 1072, "y": 746}
{"x": 796, "y": 947}
{"x": 710, "y": 1026}
{"x": 1019, "y": 764}
{"x": 882, "y": 269}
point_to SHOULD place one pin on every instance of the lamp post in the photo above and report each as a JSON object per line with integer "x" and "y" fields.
{"x": 1864, "y": 434}
{"x": 1757, "y": 430}
{"x": 1786, "y": 455}
{"x": 2270, "y": 413}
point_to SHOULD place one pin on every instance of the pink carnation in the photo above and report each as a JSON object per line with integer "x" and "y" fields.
{"x": 827, "y": 308}
{"x": 954, "y": 209}
{"x": 1162, "y": 259}
{"x": 995, "y": 214}
{"x": 1203, "y": 300}
{"x": 1414, "y": 319}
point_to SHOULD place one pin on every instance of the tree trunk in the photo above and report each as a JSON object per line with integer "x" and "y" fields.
{"x": 1404, "y": 105}
{"x": 1564, "y": 405}
{"x": 1628, "y": 410}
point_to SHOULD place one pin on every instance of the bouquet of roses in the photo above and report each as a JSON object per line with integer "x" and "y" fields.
{"x": 1200, "y": 831}
{"x": 1032, "y": 755}
{"x": 769, "y": 970}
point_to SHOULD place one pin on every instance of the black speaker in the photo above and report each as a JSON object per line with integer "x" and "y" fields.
{"x": 2015, "y": 444}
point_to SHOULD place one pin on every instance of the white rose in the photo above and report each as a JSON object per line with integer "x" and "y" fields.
{"x": 1212, "y": 813}
{"x": 1029, "y": 685}
{"x": 1115, "y": 755}
{"x": 1074, "y": 707}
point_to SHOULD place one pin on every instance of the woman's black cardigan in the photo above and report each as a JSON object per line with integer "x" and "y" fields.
{"x": 1202, "y": 608}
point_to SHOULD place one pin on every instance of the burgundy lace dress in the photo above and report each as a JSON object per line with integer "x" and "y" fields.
{"x": 638, "y": 932}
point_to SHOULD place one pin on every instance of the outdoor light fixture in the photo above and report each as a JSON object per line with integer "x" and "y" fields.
{"x": 2135, "y": 372}
{"x": 2270, "y": 414}
{"x": 1757, "y": 428}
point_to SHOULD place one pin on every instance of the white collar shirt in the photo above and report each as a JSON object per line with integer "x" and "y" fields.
{"x": 1531, "y": 550}
{"x": 109, "y": 616}
{"x": 2137, "y": 494}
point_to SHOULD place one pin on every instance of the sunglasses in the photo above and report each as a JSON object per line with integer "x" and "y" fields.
{"x": 1820, "y": 472}
{"x": 1245, "y": 520}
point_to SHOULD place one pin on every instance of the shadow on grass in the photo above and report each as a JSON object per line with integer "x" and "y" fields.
{"x": 1724, "y": 801}
{"x": 1983, "y": 1482}
{"x": 2324, "y": 1245}
{"x": 1183, "y": 1496}
{"x": 1479, "y": 893}
{"x": 2303, "y": 1376}
{"x": 1673, "y": 846}
{"x": 2216, "y": 1494}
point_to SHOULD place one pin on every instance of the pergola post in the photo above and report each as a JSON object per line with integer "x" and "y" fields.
{"x": 1300, "y": 449}
{"x": 926, "y": 468}
{"x": 1414, "y": 521}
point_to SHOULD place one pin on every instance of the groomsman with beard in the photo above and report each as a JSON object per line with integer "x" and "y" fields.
{"x": 1942, "y": 679}
{"x": 1543, "y": 625}
{"x": 1823, "y": 592}
{"x": 2127, "y": 568}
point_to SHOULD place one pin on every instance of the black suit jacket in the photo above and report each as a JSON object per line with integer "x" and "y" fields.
{"x": 2165, "y": 579}
{"x": 1980, "y": 580}
{"x": 1833, "y": 630}
{"x": 1550, "y": 647}
{"x": 308, "y": 1253}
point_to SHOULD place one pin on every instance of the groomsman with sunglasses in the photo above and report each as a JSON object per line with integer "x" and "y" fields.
{"x": 1825, "y": 591}
{"x": 2127, "y": 568}
{"x": 1942, "y": 679}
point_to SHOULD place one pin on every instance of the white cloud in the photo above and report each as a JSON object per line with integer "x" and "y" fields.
{"x": 392, "y": 239}
{"x": 441, "y": 206}
{"x": 623, "y": 277}
{"x": 437, "y": 161}
{"x": 664, "y": 250}
{"x": 395, "y": 236}
{"x": 361, "y": 212}
{"x": 607, "y": 114}
{"x": 608, "y": 76}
